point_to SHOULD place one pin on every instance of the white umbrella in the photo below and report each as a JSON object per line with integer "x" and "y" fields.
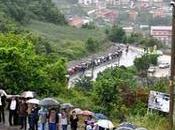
{"x": 105, "y": 124}
{"x": 2, "y": 93}
{"x": 28, "y": 94}
{"x": 77, "y": 110}
{"x": 33, "y": 101}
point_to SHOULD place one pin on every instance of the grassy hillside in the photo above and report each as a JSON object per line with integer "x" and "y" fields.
{"x": 68, "y": 41}
{"x": 60, "y": 33}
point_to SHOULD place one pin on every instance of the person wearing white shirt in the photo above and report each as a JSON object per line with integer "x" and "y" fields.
{"x": 64, "y": 120}
{"x": 12, "y": 111}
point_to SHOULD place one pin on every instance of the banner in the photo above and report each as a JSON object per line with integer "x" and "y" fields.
{"x": 159, "y": 101}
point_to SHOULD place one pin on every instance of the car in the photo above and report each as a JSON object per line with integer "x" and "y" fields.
{"x": 164, "y": 65}
{"x": 151, "y": 69}
{"x": 88, "y": 74}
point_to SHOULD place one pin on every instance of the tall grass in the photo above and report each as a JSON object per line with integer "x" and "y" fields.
{"x": 150, "y": 121}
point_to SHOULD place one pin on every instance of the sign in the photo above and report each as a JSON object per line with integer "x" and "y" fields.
{"x": 159, "y": 101}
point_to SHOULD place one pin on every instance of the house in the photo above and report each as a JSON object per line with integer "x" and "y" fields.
{"x": 128, "y": 30}
{"x": 75, "y": 21}
{"x": 162, "y": 33}
{"x": 133, "y": 14}
{"x": 87, "y": 2}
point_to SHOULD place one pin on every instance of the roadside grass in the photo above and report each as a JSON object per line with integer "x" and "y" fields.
{"x": 150, "y": 121}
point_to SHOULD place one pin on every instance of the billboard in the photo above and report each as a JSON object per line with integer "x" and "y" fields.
{"x": 159, "y": 101}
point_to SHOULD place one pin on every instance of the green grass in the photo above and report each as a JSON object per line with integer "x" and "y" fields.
{"x": 63, "y": 33}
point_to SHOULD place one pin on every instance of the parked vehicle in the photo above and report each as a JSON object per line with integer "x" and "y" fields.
{"x": 152, "y": 69}
{"x": 164, "y": 65}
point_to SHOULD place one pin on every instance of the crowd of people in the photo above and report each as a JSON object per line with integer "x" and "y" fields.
{"x": 28, "y": 116}
{"x": 83, "y": 66}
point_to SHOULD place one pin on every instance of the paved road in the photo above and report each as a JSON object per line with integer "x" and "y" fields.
{"x": 127, "y": 60}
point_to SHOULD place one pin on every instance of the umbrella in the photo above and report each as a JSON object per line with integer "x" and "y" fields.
{"x": 33, "y": 101}
{"x": 28, "y": 94}
{"x": 77, "y": 110}
{"x": 141, "y": 128}
{"x": 127, "y": 125}
{"x": 100, "y": 116}
{"x": 87, "y": 113}
{"x": 105, "y": 124}
{"x": 124, "y": 128}
{"x": 11, "y": 96}
{"x": 2, "y": 93}
{"x": 66, "y": 105}
{"x": 49, "y": 102}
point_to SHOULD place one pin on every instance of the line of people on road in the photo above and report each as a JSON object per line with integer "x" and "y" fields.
{"x": 95, "y": 62}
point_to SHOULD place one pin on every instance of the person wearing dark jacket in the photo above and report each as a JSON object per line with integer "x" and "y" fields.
{"x": 23, "y": 114}
{"x": 33, "y": 118}
{"x": 74, "y": 121}
{"x": 2, "y": 106}
{"x": 13, "y": 107}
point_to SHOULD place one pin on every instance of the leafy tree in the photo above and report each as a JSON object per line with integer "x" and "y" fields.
{"x": 116, "y": 34}
{"x": 92, "y": 45}
{"x": 22, "y": 69}
{"x": 142, "y": 63}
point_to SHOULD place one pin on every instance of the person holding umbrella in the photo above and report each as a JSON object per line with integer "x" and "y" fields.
{"x": 64, "y": 119}
{"x": 42, "y": 118}
{"x": 3, "y": 96}
{"x": 53, "y": 120}
{"x": 74, "y": 121}
{"x": 23, "y": 114}
{"x": 13, "y": 107}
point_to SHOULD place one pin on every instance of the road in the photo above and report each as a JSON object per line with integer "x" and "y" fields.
{"x": 127, "y": 60}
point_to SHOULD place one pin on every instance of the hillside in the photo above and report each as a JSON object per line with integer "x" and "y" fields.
{"x": 44, "y": 19}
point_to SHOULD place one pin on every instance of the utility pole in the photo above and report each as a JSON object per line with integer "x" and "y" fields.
{"x": 171, "y": 85}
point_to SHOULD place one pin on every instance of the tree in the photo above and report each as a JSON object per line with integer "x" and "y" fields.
{"x": 111, "y": 89}
{"x": 143, "y": 63}
{"x": 22, "y": 69}
{"x": 92, "y": 45}
{"x": 116, "y": 34}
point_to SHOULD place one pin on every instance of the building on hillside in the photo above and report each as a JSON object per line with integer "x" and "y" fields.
{"x": 128, "y": 30}
{"x": 132, "y": 14}
{"x": 162, "y": 33}
{"x": 158, "y": 13}
{"x": 78, "y": 22}
{"x": 88, "y": 2}
{"x": 107, "y": 15}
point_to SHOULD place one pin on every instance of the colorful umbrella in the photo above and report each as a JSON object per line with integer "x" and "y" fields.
{"x": 87, "y": 113}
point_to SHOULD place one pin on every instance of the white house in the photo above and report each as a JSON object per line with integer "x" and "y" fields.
{"x": 162, "y": 33}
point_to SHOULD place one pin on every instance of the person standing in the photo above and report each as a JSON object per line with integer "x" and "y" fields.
{"x": 2, "y": 106}
{"x": 53, "y": 120}
{"x": 33, "y": 118}
{"x": 13, "y": 105}
{"x": 64, "y": 120}
{"x": 74, "y": 121}
{"x": 23, "y": 114}
{"x": 42, "y": 113}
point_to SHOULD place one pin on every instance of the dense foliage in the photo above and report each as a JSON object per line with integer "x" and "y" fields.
{"x": 143, "y": 63}
{"x": 23, "y": 11}
{"x": 22, "y": 69}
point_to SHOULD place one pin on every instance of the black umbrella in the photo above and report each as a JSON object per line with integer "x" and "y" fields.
{"x": 48, "y": 102}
